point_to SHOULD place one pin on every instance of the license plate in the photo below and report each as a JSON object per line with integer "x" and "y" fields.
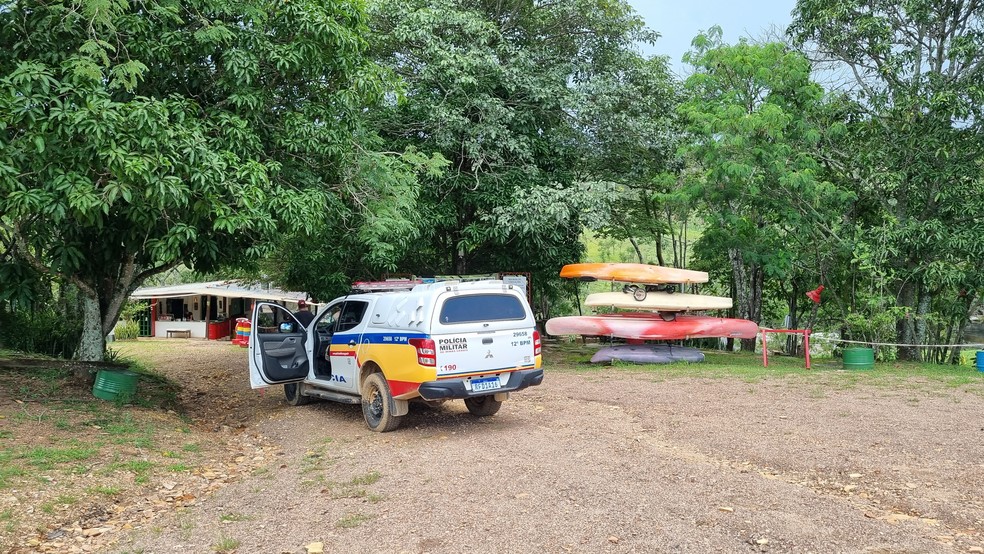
{"x": 489, "y": 383}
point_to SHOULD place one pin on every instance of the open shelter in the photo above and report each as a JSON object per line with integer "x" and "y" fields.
{"x": 206, "y": 310}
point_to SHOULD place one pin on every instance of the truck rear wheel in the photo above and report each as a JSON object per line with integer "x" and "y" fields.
{"x": 377, "y": 404}
{"x": 483, "y": 406}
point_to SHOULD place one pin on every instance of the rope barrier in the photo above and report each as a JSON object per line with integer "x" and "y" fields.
{"x": 814, "y": 337}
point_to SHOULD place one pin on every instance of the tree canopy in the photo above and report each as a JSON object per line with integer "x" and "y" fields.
{"x": 136, "y": 137}
{"x": 314, "y": 144}
{"x": 915, "y": 73}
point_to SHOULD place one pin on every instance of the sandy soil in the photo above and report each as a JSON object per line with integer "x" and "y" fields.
{"x": 609, "y": 461}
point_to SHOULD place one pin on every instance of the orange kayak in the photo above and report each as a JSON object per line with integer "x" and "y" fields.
{"x": 632, "y": 273}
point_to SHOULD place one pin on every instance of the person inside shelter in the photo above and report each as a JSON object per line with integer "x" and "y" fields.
{"x": 303, "y": 314}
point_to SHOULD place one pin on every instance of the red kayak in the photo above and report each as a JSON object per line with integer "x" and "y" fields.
{"x": 652, "y": 327}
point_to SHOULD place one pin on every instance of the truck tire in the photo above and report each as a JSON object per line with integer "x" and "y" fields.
{"x": 292, "y": 392}
{"x": 483, "y": 406}
{"x": 377, "y": 405}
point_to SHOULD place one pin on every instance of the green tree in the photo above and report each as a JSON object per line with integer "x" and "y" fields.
{"x": 492, "y": 86}
{"x": 915, "y": 71}
{"x": 138, "y": 136}
{"x": 631, "y": 137}
{"x": 749, "y": 114}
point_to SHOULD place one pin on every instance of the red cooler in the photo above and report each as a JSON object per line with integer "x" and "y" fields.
{"x": 218, "y": 330}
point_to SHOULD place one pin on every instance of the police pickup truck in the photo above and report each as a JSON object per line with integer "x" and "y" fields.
{"x": 475, "y": 341}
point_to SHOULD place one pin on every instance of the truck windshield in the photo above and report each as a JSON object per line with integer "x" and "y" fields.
{"x": 482, "y": 307}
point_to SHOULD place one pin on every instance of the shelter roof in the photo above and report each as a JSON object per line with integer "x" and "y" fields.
{"x": 228, "y": 289}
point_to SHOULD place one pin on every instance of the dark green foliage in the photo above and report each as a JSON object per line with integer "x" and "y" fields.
{"x": 915, "y": 148}
{"x": 44, "y": 332}
{"x": 126, "y": 329}
{"x": 496, "y": 89}
{"x": 752, "y": 112}
{"x": 138, "y": 136}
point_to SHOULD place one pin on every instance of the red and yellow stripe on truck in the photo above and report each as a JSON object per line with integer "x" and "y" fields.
{"x": 409, "y": 359}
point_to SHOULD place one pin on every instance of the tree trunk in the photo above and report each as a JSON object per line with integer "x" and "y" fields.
{"x": 683, "y": 244}
{"x": 459, "y": 261}
{"x": 922, "y": 311}
{"x": 961, "y": 331}
{"x": 748, "y": 292}
{"x": 905, "y": 330}
{"x": 635, "y": 244}
{"x": 792, "y": 344}
{"x": 673, "y": 237}
{"x": 756, "y": 285}
{"x": 659, "y": 249}
{"x": 92, "y": 346}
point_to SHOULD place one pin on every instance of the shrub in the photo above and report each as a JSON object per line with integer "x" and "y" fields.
{"x": 127, "y": 329}
{"x": 40, "y": 332}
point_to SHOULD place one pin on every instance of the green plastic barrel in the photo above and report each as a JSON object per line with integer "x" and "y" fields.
{"x": 859, "y": 358}
{"x": 112, "y": 384}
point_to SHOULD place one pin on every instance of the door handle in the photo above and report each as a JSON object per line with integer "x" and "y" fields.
{"x": 486, "y": 341}
{"x": 352, "y": 343}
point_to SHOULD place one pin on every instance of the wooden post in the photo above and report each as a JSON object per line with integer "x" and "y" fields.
{"x": 765, "y": 349}
{"x": 806, "y": 345}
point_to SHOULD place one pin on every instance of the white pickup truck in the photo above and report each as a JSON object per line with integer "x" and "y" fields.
{"x": 475, "y": 341}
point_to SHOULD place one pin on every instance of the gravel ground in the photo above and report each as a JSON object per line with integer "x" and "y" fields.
{"x": 607, "y": 461}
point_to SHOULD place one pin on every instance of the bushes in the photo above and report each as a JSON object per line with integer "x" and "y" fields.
{"x": 41, "y": 332}
{"x": 127, "y": 329}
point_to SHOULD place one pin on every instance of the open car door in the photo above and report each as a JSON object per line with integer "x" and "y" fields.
{"x": 277, "y": 347}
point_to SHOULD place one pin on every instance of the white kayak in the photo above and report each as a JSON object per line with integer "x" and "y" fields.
{"x": 659, "y": 301}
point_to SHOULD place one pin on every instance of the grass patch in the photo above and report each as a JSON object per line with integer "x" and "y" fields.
{"x": 8, "y": 471}
{"x": 825, "y": 372}
{"x": 352, "y": 521}
{"x": 138, "y": 466}
{"x": 123, "y": 428}
{"x": 64, "y": 424}
{"x": 230, "y": 518}
{"x": 367, "y": 479}
{"x": 54, "y": 432}
{"x": 105, "y": 491}
{"x": 45, "y": 383}
{"x": 316, "y": 481}
{"x": 316, "y": 459}
{"x": 61, "y": 501}
{"x": 66, "y": 499}
{"x": 8, "y": 520}
{"x": 45, "y": 458}
{"x": 154, "y": 390}
{"x": 356, "y": 487}
{"x": 226, "y": 544}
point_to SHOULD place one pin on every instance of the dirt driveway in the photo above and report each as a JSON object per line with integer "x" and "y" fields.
{"x": 595, "y": 461}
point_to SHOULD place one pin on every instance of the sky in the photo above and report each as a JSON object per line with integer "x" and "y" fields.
{"x": 679, "y": 21}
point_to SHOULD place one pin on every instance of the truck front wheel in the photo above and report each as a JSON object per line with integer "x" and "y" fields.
{"x": 377, "y": 404}
{"x": 292, "y": 392}
{"x": 483, "y": 406}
